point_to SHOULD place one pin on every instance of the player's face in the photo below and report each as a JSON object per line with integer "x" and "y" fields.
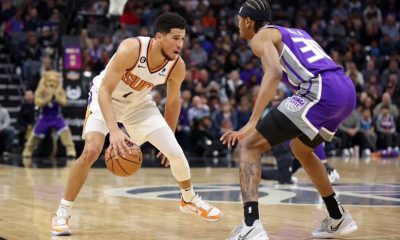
{"x": 172, "y": 43}
{"x": 244, "y": 27}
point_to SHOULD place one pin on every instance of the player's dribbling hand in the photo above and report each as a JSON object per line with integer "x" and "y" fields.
{"x": 164, "y": 159}
{"x": 118, "y": 142}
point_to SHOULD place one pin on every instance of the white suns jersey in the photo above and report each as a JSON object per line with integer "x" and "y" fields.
{"x": 137, "y": 82}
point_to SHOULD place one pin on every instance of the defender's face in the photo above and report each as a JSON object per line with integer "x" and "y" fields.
{"x": 172, "y": 43}
{"x": 244, "y": 27}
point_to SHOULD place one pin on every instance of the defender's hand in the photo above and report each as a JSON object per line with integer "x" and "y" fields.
{"x": 230, "y": 137}
{"x": 164, "y": 159}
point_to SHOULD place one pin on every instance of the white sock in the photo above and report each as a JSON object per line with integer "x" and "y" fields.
{"x": 187, "y": 194}
{"x": 64, "y": 208}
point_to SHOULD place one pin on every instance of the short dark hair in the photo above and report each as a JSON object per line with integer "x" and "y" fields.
{"x": 168, "y": 20}
{"x": 257, "y": 10}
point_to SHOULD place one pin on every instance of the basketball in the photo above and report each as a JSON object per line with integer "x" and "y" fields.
{"x": 124, "y": 166}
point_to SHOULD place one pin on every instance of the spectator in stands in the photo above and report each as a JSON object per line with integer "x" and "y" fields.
{"x": 121, "y": 34}
{"x": 198, "y": 56}
{"x": 232, "y": 83}
{"x": 392, "y": 69}
{"x": 350, "y": 134}
{"x": 244, "y": 53}
{"x": 373, "y": 87}
{"x": 183, "y": 131}
{"x": 367, "y": 126}
{"x": 372, "y": 14}
{"x": 391, "y": 28}
{"x": 8, "y": 10}
{"x": 209, "y": 20}
{"x": 85, "y": 40}
{"x": 107, "y": 45}
{"x": 48, "y": 40}
{"x": 386, "y": 130}
{"x": 198, "y": 109}
{"x": 225, "y": 119}
{"x": 370, "y": 70}
{"x": 365, "y": 101}
{"x": 232, "y": 62}
{"x": 386, "y": 101}
{"x": 131, "y": 14}
{"x": 15, "y": 24}
{"x": 244, "y": 111}
{"x": 31, "y": 56}
{"x": 248, "y": 71}
{"x": 47, "y": 65}
{"x": 31, "y": 20}
{"x": 204, "y": 141}
{"x": 26, "y": 117}
{"x": 7, "y": 132}
{"x": 45, "y": 9}
{"x": 353, "y": 71}
{"x": 336, "y": 30}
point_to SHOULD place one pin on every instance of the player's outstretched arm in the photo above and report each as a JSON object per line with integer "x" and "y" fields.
{"x": 264, "y": 45}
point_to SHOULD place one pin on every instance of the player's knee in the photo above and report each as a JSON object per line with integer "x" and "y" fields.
{"x": 179, "y": 164}
{"x": 90, "y": 153}
{"x": 251, "y": 145}
{"x": 299, "y": 149}
{"x": 175, "y": 154}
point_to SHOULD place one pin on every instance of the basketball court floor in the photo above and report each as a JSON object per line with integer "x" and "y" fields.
{"x": 145, "y": 206}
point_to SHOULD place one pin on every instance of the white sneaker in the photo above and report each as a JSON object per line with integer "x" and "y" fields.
{"x": 200, "y": 207}
{"x": 333, "y": 176}
{"x": 331, "y": 228}
{"x": 346, "y": 152}
{"x": 366, "y": 153}
{"x": 59, "y": 226}
{"x": 254, "y": 232}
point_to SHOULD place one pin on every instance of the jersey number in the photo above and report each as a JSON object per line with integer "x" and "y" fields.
{"x": 311, "y": 46}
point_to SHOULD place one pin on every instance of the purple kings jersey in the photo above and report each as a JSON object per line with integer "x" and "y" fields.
{"x": 302, "y": 59}
{"x": 51, "y": 110}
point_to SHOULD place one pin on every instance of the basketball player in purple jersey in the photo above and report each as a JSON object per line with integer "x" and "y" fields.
{"x": 324, "y": 97}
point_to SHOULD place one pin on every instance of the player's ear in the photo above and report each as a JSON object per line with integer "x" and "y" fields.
{"x": 159, "y": 36}
{"x": 247, "y": 22}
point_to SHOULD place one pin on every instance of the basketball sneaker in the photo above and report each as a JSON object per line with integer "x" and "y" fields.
{"x": 59, "y": 226}
{"x": 244, "y": 232}
{"x": 331, "y": 228}
{"x": 200, "y": 207}
{"x": 333, "y": 176}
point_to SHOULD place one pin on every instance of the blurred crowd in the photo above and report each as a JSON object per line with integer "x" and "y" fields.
{"x": 223, "y": 76}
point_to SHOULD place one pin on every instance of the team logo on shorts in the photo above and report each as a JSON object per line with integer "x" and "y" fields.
{"x": 295, "y": 103}
{"x": 142, "y": 59}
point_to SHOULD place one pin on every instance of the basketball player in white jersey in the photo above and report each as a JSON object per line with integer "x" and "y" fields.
{"x": 121, "y": 94}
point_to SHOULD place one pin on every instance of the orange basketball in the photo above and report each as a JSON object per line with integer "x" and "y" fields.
{"x": 124, "y": 166}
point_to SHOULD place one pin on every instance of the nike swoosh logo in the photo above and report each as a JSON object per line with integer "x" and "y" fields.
{"x": 140, "y": 66}
{"x": 337, "y": 227}
{"x": 244, "y": 236}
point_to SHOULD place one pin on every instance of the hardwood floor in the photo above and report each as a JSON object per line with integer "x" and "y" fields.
{"x": 145, "y": 206}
